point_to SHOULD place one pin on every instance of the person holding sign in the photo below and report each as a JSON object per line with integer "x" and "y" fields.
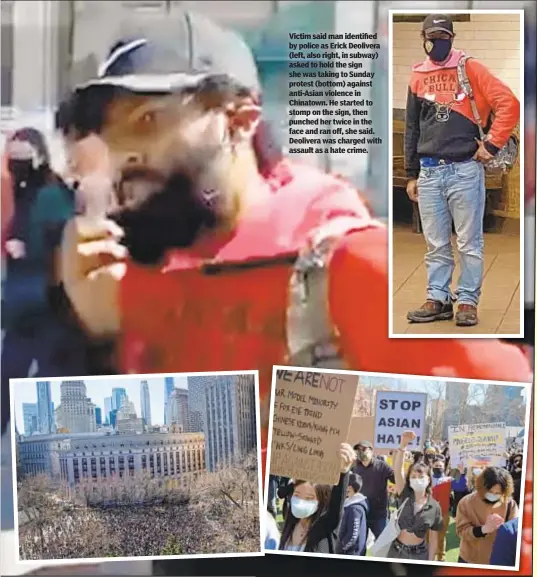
{"x": 481, "y": 513}
{"x": 420, "y": 514}
{"x": 316, "y": 510}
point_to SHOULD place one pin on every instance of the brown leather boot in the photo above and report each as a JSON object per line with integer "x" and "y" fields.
{"x": 431, "y": 311}
{"x": 466, "y": 315}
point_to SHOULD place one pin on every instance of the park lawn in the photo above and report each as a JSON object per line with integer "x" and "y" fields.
{"x": 452, "y": 543}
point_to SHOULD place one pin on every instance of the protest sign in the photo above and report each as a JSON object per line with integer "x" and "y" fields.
{"x": 396, "y": 412}
{"x": 361, "y": 429}
{"x": 484, "y": 443}
{"x": 311, "y": 418}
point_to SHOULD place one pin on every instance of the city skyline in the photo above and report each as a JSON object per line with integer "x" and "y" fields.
{"x": 97, "y": 390}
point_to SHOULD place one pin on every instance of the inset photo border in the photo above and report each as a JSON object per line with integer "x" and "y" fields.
{"x": 313, "y": 414}
{"x": 501, "y": 304}
{"x": 208, "y": 471}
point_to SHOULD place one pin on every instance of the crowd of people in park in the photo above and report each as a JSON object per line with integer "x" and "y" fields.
{"x": 132, "y": 531}
{"x": 400, "y": 506}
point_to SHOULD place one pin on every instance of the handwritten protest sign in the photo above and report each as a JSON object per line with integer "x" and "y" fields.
{"x": 396, "y": 412}
{"x": 312, "y": 413}
{"x": 484, "y": 443}
{"x": 361, "y": 428}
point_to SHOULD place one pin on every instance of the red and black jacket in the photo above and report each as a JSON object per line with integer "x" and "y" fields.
{"x": 439, "y": 118}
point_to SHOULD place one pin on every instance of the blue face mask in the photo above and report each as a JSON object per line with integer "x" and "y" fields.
{"x": 437, "y": 49}
{"x": 303, "y": 509}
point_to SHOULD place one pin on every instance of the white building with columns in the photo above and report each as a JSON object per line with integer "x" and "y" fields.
{"x": 96, "y": 456}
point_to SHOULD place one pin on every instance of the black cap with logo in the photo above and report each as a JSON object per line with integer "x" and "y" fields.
{"x": 172, "y": 54}
{"x": 438, "y": 23}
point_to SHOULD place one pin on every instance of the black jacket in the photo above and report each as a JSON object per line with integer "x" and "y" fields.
{"x": 353, "y": 529}
{"x": 375, "y": 479}
{"x": 322, "y": 537}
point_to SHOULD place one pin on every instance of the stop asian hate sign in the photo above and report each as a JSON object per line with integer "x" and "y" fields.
{"x": 396, "y": 412}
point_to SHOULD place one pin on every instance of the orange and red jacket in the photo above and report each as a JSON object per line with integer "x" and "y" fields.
{"x": 439, "y": 118}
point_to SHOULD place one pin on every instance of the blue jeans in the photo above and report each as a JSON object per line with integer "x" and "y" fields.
{"x": 453, "y": 194}
{"x": 377, "y": 525}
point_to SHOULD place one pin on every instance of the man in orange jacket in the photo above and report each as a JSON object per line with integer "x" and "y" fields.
{"x": 222, "y": 255}
{"x": 444, "y": 158}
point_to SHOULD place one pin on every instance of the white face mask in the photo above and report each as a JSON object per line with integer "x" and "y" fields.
{"x": 492, "y": 497}
{"x": 303, "y": 509}
{"x": 419, "y": 485}
{"x": 476, "y": 472}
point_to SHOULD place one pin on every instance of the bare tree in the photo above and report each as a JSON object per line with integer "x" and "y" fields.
{"x": 229, "y": 498}
{"x": 36, "y": 504}
{"x": 52, "y": 528}
{"x": 436, "y": 392}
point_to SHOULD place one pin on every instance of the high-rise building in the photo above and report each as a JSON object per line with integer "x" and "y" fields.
{"x": 45, "y": 420}
{"x": 113, "y": 418}
{"x": 169, "y": 386}
{"x": 177, "y": 410}
{"x": 457, "y": 410}
{"x": 196, "y": 401}
{"x": 230, "y": 424}
{"x": 76, "y": 412}
{"x": 118, "y": 393}
{"x": 127, "y": 420}
{"x": 504, "y": 403}
{"x": 98, "y": 416}
{"x": 145, "y": 403}
{"x": 108, "y": 406}
{"x": 29, "y": 418}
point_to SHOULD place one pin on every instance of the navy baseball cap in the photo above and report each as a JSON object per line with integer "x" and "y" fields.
{"x": 174, "y": 54}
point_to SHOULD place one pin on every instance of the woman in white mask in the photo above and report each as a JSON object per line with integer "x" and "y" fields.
{"x": 315, "y": 512}
{"x": 420, "y": 514}
{"x": 481, "y": 513}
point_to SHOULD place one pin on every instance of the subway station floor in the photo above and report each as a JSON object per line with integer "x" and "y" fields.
{"x": 499, "y": 309}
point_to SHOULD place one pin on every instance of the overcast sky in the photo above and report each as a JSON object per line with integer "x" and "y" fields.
{"x": 97, "y": 389}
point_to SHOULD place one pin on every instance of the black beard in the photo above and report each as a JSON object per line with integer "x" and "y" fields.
{"x": 173, "y": 217}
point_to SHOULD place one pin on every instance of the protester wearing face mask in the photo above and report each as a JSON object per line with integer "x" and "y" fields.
{"x": 316, "y": 511}
{"x": 444, "y": 158}
{"x": 429, "y": 456}
{"x": 472, "y": 474}
{"x": 515, "y": 468}
{"x": 460, "y": 488}
{"x": 441, "y": 493}
{"x": 375, "y": 475}
{"x": 481, "y": 514}
{"x": 36, "y": 317}
{"x": 421, "y": 516}
{"x": 353, "y": 527}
